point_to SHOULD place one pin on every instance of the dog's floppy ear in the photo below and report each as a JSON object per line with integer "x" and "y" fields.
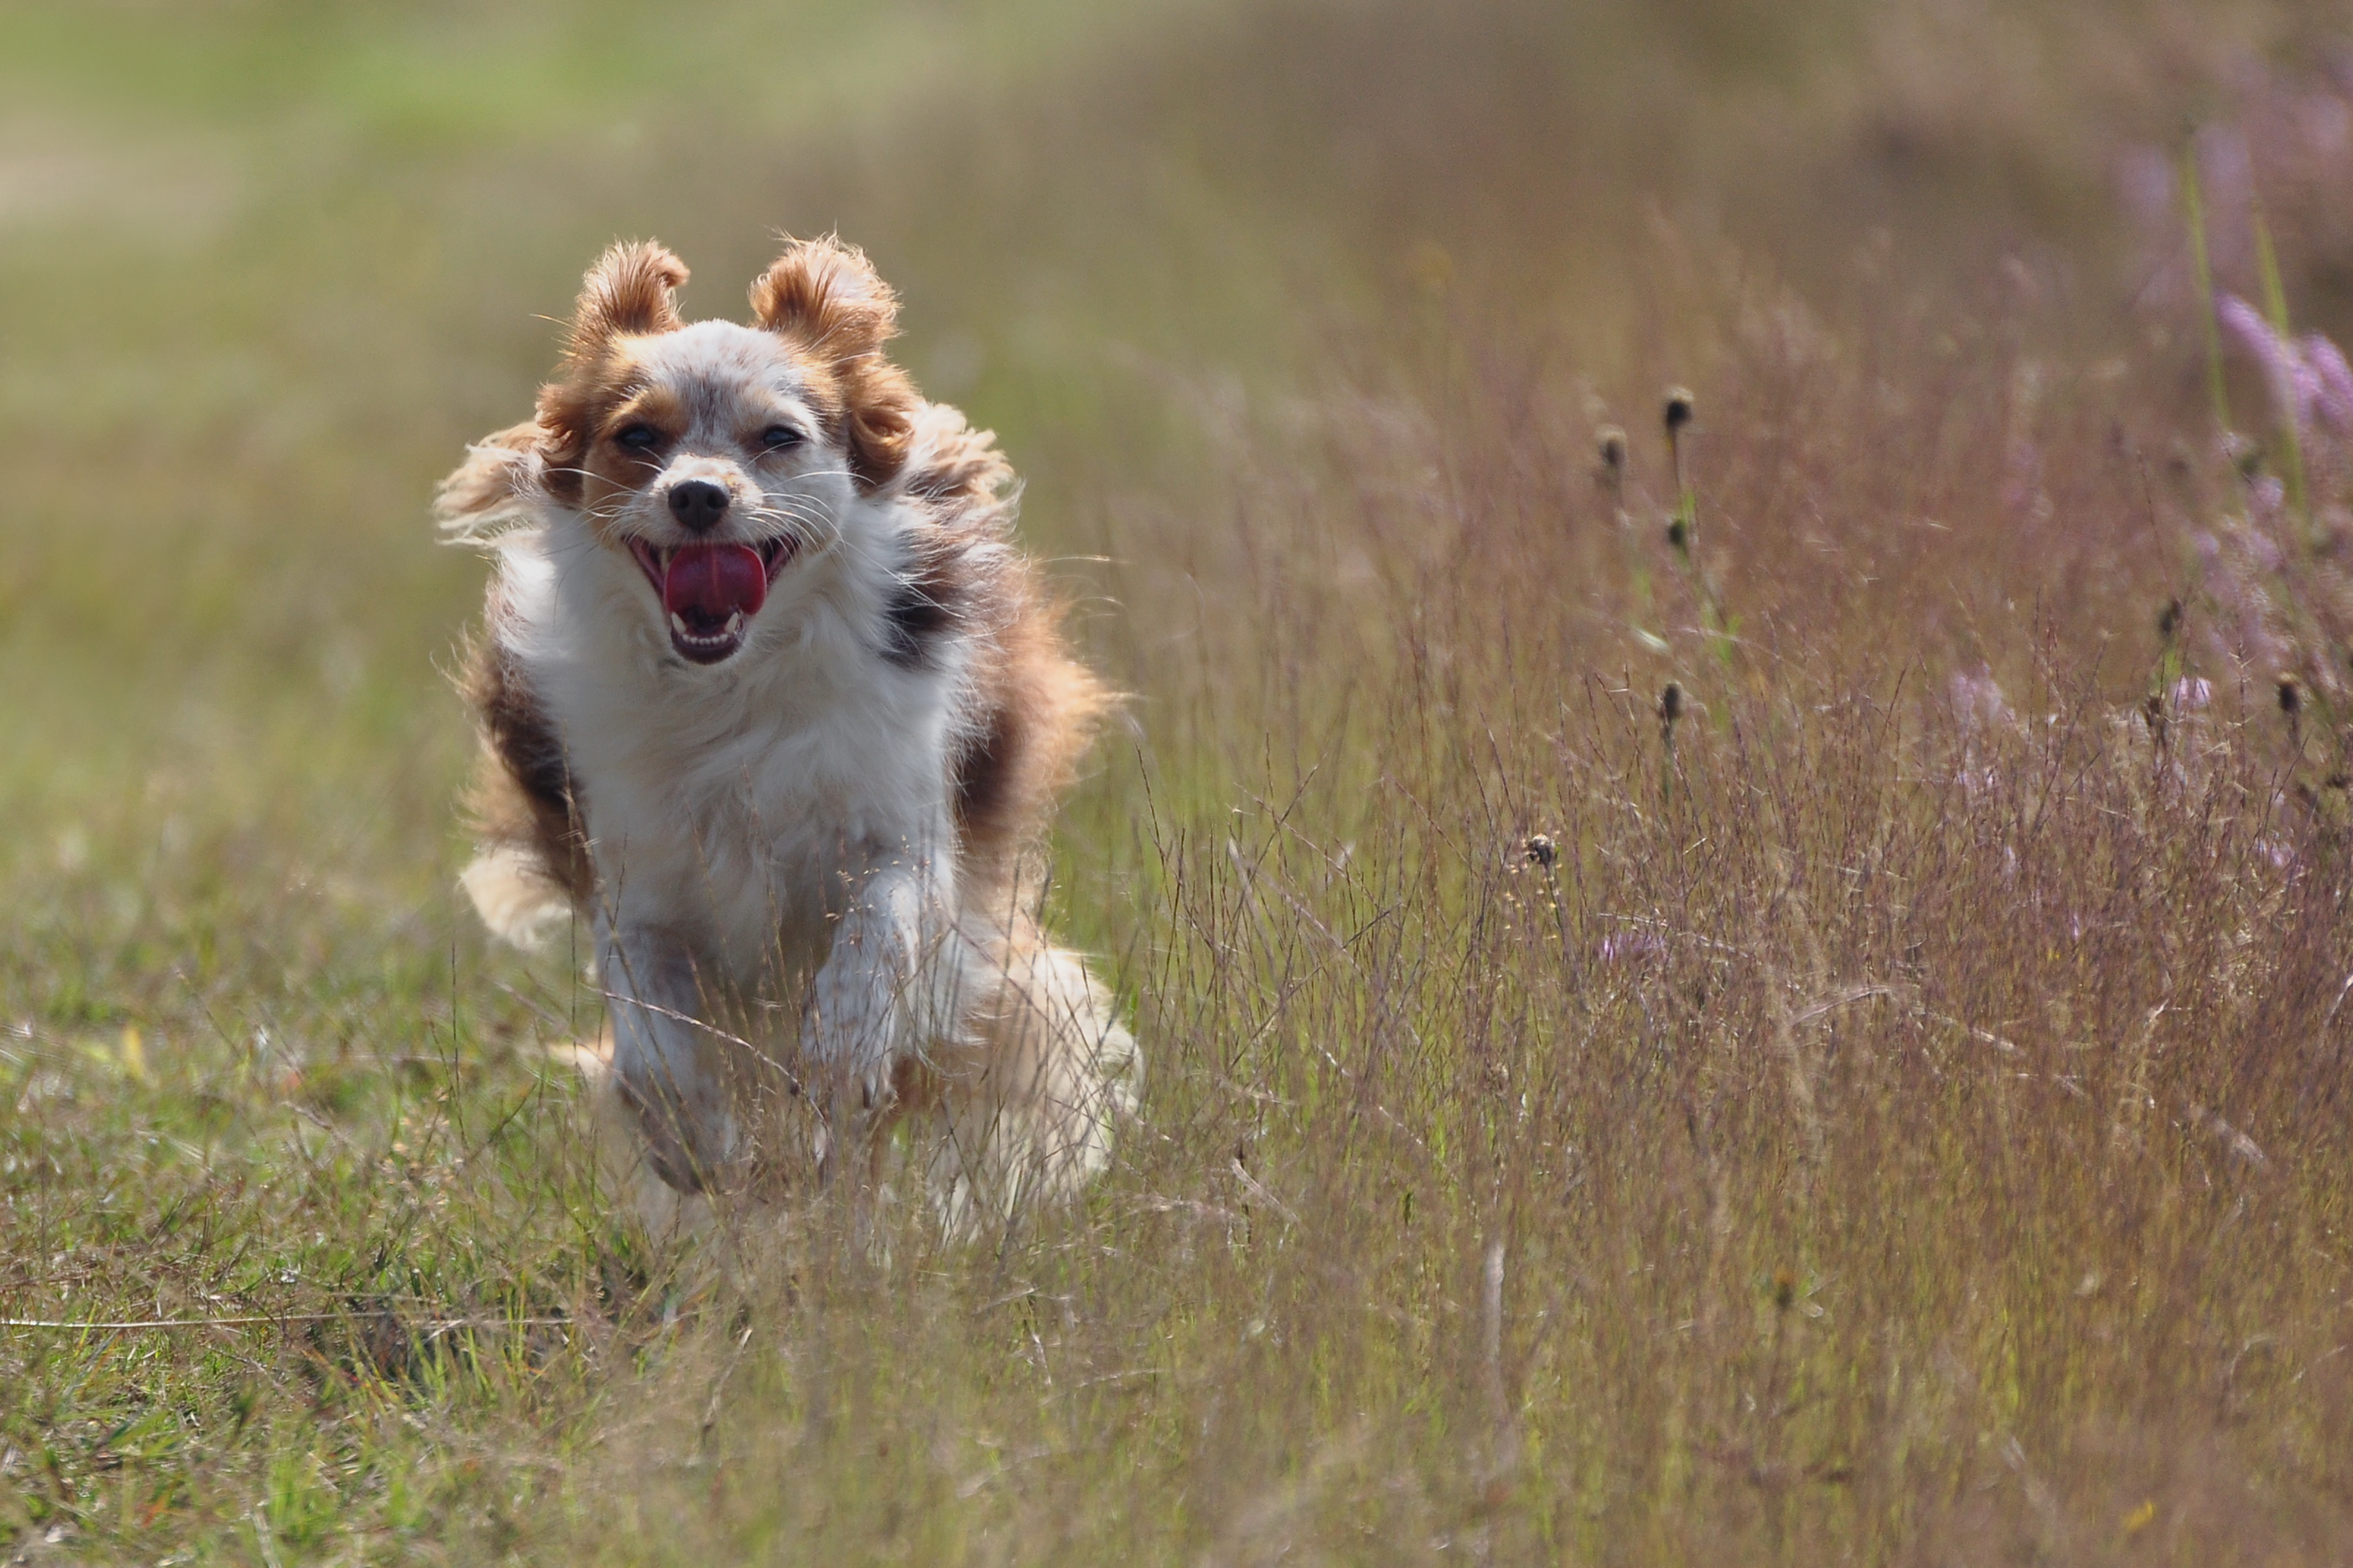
{"x": 826, "y": 297}
{"x": 829, "y": 295}
{"x": 629, "y": 290}
{"x": 492, "y": 485}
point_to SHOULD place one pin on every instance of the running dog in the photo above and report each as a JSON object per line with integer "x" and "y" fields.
{"x": 770, "y": 700}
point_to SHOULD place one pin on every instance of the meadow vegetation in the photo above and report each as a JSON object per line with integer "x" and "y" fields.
{"x": 1776, "y": 998}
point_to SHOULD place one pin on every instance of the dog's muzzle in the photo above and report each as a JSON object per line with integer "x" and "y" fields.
{"x": 711, "y": 592}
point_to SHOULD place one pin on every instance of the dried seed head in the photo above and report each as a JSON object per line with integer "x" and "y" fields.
{"x": 1785, "y": 1288}
{"x": 1678, "y": 535}
{"x": 2291, "y": 695}
{"x": 1671, "y": 703}
{"x": 1541, "y": 851}
{"x": 2169, "y": 620}
{"x": 1613, "y": 449}
{"x": 1680, "y": 408}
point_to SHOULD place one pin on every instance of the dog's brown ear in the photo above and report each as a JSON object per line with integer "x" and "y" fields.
{"x": 498, "y": 477}
{"x": 826, "y": 297}
{"x": 629, "y": 290}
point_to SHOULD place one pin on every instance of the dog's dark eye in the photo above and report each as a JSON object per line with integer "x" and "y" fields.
{"x": 639, "y": 438}
{"x": 776, "y": 437}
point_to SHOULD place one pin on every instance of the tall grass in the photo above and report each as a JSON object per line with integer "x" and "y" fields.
{"x": 1826, "y": 1038}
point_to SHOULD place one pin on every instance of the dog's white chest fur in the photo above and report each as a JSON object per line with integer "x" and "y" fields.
{"x": 729, "y": 804}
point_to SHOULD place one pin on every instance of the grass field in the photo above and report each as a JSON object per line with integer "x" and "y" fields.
{"x": 1780, "y": 1003}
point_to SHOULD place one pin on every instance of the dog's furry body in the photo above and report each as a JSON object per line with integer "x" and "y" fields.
{"x": 807, "y": 800}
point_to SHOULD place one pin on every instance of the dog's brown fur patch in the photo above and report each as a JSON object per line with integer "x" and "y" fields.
{"x": 827, "y": 297}
{"x": 1040, "y": 712}
{"x": 524, "y": 795}
{"x": 572, "y": 415}
{"x": 1035, "y": 708}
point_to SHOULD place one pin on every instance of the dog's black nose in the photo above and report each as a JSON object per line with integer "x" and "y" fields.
{"x": 698, "y": 504}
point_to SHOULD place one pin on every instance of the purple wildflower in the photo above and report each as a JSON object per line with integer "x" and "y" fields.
{"x": 2282, "y": 367}
{"x": 2192, "y": 692}
{"x": 2307, "y": 380}
{"x": 2231, "y": 583}
{"x": 2335, "y": 379}
{"x": 2264, "y": 497}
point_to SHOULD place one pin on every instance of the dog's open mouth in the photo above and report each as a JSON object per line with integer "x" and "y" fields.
{"x": 711, "y": 592}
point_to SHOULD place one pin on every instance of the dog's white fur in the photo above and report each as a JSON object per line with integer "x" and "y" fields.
{"x": 778, "y": 863}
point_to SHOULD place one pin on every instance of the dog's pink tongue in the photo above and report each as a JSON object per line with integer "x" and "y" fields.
{"x": 710, "y": 582}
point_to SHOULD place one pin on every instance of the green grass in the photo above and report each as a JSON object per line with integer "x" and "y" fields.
{"x": 1900, "y": 1124}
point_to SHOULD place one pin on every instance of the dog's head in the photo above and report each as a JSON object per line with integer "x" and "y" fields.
{"x": 715, "y": 457}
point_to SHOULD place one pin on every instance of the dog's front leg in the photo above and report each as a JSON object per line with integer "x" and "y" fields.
{"x": 665, "y": 1061}
{"x": 885, "y": 990}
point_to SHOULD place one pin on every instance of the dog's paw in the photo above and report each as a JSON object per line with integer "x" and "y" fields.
{"x": 854, "y": 1020}
{"x": 848, "y": 1037}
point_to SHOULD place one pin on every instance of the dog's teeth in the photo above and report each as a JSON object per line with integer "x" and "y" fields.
{"x": 678, "y": 625}
{"x": 734, "y": 623}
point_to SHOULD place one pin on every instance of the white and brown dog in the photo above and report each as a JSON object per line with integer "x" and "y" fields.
{"x": 770, "y": 700}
